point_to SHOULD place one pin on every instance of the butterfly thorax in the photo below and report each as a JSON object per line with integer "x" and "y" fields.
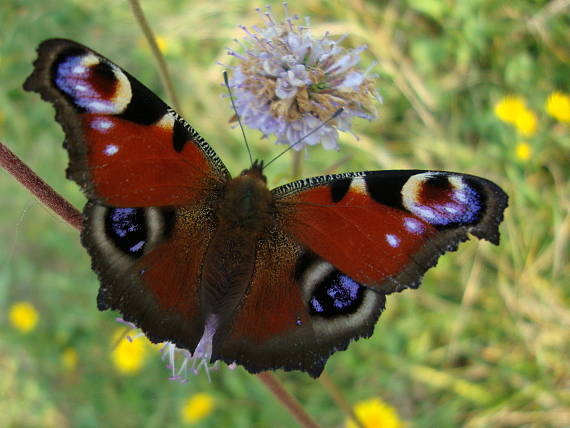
{"x": 247, "y": 203}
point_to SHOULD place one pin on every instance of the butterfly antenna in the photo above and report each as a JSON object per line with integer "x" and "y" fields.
{"x": 237, "y": 115}
{"x": 334, "y": 116}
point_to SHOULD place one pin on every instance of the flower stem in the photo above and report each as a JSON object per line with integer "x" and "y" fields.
{"x": 162, "y": 68}
{"x": 53, "y": 200}
{"x": 294, "y": 407}
{"x": 297, "y": 164}
{"x": 338, "y": 397}
{"x": 39, "y": 188}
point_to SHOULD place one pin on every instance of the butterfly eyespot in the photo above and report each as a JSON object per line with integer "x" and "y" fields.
{"x": 328, "y": 293}
{"x": 442, "y": 199}
{"x": 127, "y": 229}
{"x": 335, "y": 295}
{"x": 93, "y": 85}
{"x": 128, "y": 233}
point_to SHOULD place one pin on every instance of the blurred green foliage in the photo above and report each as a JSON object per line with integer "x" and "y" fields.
{"x": 484, "y": 342}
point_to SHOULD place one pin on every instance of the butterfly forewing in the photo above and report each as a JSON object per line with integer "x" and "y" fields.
{"x": 127, "y": 148}
{"x": 386, "y": 228}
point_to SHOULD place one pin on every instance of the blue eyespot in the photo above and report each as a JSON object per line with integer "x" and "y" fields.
{"x": 126, "y": 228}
{"x": 337, "y": 294}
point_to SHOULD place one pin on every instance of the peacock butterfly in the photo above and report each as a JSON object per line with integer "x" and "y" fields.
{"x": 282, "y": 278}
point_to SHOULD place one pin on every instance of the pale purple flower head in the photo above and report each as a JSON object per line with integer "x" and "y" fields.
{"x": 287, "y": 83}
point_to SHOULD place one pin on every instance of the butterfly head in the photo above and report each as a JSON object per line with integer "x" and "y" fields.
{"x": 255, "y": 171}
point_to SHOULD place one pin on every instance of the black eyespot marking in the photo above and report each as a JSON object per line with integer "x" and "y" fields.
{"x": 438, "y": 181}
{"x": 104, "y": 81}
{"x": 168, "y": 215}
{"x": 127, "y": 229}
{"x": 336, "y": 295}
{"x": 145, "y": 108}
{"x": 339, "y": 189}
{"x": 386, "y": 189}
{"x": 303, "y": 263}
{"x": 180, "y": 136}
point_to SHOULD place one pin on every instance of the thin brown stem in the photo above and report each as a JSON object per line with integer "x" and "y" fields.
{"x": 162, "y": 68}
{"x": 338, "y": 397}
{"x": 39, "y": 188}
{"x": 297, "y": 164}
{"x": 287, "y": 400}
{"x": 50, "y": 198}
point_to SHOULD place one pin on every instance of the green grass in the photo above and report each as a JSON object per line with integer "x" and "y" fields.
{"x": 485, "y": 340}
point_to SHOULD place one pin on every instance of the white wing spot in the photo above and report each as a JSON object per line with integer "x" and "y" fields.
{"x": 101, "y": 124}
{"x": 412, "y": 225}
{"x": 392, "y": 240}
{"x": 110, "y": 150}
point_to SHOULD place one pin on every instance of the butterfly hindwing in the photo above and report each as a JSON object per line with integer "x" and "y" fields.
{"x": 289, "y": 318}
{"x": 149, "y": 261}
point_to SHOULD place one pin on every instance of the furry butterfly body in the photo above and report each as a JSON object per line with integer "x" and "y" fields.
{"x": 282, "y": 278}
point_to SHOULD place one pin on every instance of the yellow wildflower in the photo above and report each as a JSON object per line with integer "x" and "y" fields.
{"x": 526, "y": 123}
{"x": 197, "y": 408}
{"x": 69, "y": 358}
{"x": 375, "y": 413}
{"x": 509, "y": 108}
{"x": 162, "y": 43}
{"x": 129, "y": 356}
{"x": 23, "y": 316}
{"x": 523, "y": 151}
{"x": 558, "y": 106}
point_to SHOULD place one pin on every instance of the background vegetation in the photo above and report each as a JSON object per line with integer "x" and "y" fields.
{"x": 484, "y": 342}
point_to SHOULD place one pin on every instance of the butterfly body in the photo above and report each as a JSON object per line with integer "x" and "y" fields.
{"x": 279, "y": 278}
{"x": 243, "y": 216}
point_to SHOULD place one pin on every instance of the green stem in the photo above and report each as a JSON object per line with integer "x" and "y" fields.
{"x": 294, "y": 407}
{"x": 297, "y": 164}
{"x": 338, "y": 397}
